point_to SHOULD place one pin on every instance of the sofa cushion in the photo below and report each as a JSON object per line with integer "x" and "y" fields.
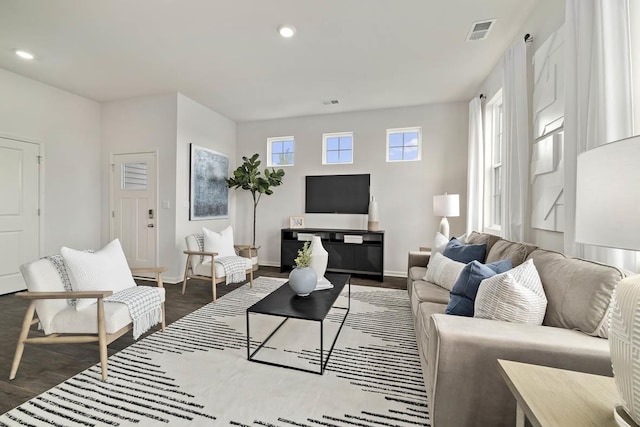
{"x": 578, "y": 291}
{"x": 505, "y": 249}
{"x": 465, "y": 253}
{"x": 514, "y": 296}
{"x": 476, "y": 238}
{"x": 428, "y": 292}
{"x": 443, "y": 271}
{"x": 465, "y": 289}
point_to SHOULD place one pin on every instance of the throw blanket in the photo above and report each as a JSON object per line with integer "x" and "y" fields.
{"x": 58, "y": 263}
{"x": 145, "y": 307}
{"x": 234, "y": 268}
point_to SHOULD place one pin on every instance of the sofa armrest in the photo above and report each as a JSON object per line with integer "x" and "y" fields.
{"x": 419, "y": 258}
{"x": 463, "y": 383}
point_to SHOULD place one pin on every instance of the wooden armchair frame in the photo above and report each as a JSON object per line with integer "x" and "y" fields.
{"x": 214, "y": 280}
{"x": 102, "y": 337}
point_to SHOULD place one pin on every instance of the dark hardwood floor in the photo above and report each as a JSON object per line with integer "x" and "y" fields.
{"x": 44, "y": 366}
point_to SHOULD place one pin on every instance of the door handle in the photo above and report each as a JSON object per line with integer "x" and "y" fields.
{"x": 150, "y": 225}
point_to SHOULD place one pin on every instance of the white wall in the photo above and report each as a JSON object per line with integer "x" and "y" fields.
{"x": 546, "y": 18}
{"x": 404, "y": 190}
{"x": 199, "y": 125}
{"x": 68, "y": 128}
{"x": 145, "y": 124}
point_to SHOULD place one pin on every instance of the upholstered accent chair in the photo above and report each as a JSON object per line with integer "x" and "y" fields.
{"x": 199, "y": 265}
{"x": 102, "y": 321}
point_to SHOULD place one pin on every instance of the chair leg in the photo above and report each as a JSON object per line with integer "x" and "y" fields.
{"x": 186, "y": 274}
{"x": 251, "y": 278}
{"x": 213, "y": 279}
{"x": 24, "y": 333}
{"x": 102, "y": 339}
{"x": 164, "y": 324}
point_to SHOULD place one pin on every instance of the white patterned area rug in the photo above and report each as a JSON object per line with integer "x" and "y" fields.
{"x": 196, "y": 373}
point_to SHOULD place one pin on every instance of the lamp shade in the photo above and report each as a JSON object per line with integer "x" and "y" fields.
{"x": 608, "y": 195}
{"x": 446, "y": 205}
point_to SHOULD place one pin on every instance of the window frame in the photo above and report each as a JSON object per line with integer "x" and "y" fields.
{"x": 412, "y": 129}
{"x": 494, "y": 141}
{"x": 270, "y": 142}
{"x": 326, "y": 136}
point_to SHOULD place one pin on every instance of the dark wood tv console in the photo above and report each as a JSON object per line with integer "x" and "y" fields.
{"x": 344, "y": 257}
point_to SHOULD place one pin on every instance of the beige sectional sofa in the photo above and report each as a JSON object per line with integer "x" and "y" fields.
{"x": 459, "y": 354}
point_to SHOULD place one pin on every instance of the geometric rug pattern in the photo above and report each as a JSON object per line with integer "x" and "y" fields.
{"x": 196, "y": 373}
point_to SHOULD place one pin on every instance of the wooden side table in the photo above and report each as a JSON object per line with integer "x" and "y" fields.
{"x": 551, "y": 397}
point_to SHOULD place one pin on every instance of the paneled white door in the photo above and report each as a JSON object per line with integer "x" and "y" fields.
{"x": 19, "y": 210}
{"x": 134, "y": 207}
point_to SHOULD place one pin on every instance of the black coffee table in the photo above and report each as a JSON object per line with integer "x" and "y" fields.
{"x": 283, "y": 302}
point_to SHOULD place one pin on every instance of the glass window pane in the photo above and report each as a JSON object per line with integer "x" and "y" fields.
{"x": 134, "y": 176}
{"x": 411, "y": 153}
{"x": 411, "y": 138}
{"x": 395, "y": 153}
{"x": 497, "y": 181}
{"x": 287, "y": 158}
{"x": 333, "y": 156}
{"x": 395, "y": 140}
{"x": 276, "y": 147}
{"x": 287, "y": 146}
{"x": 497, "y": 207}
{"x": 346, "y": 142}
{"x": 346, "y": 156}
{"x": 333, "y": 143}
{"x": 275, "y": 159}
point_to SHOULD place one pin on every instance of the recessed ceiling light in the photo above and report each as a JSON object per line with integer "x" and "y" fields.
{"x": 286, "y": 31}
{"x": 24, "y": 54}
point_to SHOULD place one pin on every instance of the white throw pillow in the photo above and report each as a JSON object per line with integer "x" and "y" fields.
{"x": 443, "y": 271}
{"x": 222, "y": 242}
{"x": 514, "y": 296}
{"x": 104, "y": 270}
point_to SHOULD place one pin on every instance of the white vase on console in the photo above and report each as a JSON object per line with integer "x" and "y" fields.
{"x": 319, "y": 260}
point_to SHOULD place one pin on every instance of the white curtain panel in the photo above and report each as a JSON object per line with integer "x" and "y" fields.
{"x": 515, "y": 146}
{"x": 475, "y": 167}
{"x": 599, "y": 109}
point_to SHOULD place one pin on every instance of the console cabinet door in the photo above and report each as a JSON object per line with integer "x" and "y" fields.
{"x": 340, "y": 256}
{"x": 367, "y": 258}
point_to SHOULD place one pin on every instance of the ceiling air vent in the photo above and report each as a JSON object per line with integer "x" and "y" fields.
{"x": 331, "y": 102}
{"x": 480, "y": 30}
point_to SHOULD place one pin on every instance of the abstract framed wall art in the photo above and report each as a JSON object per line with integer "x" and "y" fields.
{"x": 208, "y": 191}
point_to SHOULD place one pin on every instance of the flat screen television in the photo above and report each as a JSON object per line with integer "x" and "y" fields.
{"x": 342, "y": 194}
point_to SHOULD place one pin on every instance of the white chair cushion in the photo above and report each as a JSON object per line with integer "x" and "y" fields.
{"x": 104, "y": 270}
{"x": 204, "y": 269}
{"x": 222, "y": 242}
{"x": 42, "y": 276}
{"x": 72, "y": 321}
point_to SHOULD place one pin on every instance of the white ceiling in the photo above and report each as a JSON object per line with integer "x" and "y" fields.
{"x": 227, "y": 55}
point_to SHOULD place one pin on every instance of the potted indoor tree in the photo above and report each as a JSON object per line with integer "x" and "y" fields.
{"x": 248, "y": 177}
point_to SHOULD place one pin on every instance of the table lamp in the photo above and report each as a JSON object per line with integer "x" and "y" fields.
{"x": 608, "y": 214}
{"x": 446, "y": 205}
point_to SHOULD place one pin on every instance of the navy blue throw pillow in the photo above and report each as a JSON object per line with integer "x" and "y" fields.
{"x": 464, "y": 253}
{"x": 464, "y": 291}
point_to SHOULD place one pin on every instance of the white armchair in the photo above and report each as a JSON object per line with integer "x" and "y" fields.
{"x": 102, "y": 322}
{"x": 199, "y": 265}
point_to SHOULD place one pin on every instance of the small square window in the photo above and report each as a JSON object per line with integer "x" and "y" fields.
{"x": 337, "y": 148}
{"x": 404, "y": 145}
{"x": 280, "y": 151}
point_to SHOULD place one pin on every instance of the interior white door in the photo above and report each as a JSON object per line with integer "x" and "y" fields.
{"x": 134, "y": 207}
{"x": 19, "y": 204}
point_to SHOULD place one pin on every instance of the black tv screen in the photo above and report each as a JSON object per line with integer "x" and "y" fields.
{"x": 343, "y": 194}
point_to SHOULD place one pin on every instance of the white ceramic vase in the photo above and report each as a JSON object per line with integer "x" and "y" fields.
{"x": 372, "y": 223}
{"x": 303, "y": 281}
{"x": 624, "y": 343}
{"x": 319, "y": 257}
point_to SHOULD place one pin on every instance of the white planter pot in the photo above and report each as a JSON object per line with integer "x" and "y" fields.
{"x": 302, "y": 281}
